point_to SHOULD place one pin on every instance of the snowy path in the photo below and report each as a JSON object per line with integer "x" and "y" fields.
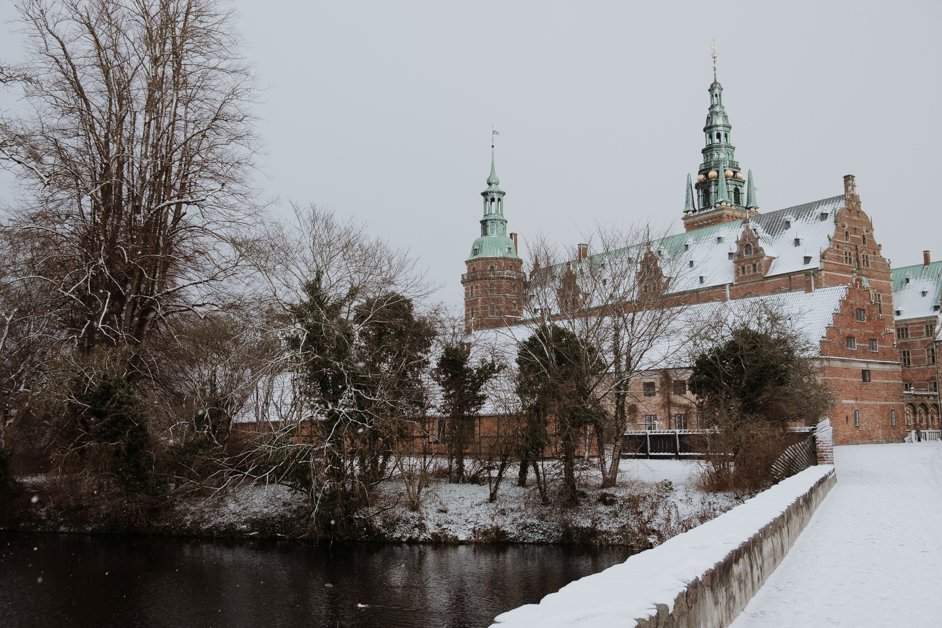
{"x": 872, "y": 553}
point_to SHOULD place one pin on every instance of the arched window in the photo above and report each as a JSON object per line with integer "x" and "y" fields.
{"x": 747, "y": 250}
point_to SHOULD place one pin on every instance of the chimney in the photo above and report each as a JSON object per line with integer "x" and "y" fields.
{"x": 583, "y": 252}
{"x": 926, "y": 258}
{"x": 850, "y": 186}
{"x": 513, "y": 236}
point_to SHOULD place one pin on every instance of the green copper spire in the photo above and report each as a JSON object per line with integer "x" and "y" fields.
{"x": 751, "y": 202}
{"x": 719, "y": 155}
{"x": 722, "y": 195}
{"x": 688, "y": 204}
{"x": 492, "y": 179}
{"x": 494, "y": 241}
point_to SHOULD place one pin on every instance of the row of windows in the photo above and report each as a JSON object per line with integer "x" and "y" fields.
{"x": 932, "y": 386}
{"x": 679, "y": 422}
{"x": 902, "y": 332}
{"x": 906, "y": 356}
{"x": 872, "y": 344}
{"x": 931, "y": 419}
{"x": 678, "y": 387}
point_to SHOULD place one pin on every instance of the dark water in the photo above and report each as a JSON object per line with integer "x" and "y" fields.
{"x": 72, "y": 580}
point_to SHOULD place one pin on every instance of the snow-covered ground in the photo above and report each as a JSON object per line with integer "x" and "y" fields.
{"x": 872, "y": 553}
{"x": 654, "y": 500}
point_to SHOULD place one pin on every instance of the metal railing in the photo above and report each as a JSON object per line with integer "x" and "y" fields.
{"x": 924, "y": 435}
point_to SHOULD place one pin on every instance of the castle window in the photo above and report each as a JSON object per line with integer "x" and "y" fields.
{"x": 471, "y": 291}
{"x": 649, "y": 389}
{"x": 491, "y": 267}
{"x": 930, "y": 355}
{"x": 865, "y": 375}
{"x": 846, "y": 236}
{"x": 908, "y": 386}
{"x": 755, "y": 268}
{"x": 702, "y": 279}
{"x": 933, "y": 386}
{"x": 865, "y": 239}
{"x": 866, "y": 260}
{"x": 860, "y": 314}
{"x": 879, "y": 300}
{"x": 680, "y": 421}
{"x": 747, "y": 250}
{"x": 807, "y": 259}
{"x": 490, "y": 310}
{"x": 851, "y": 342}
{"x": 905, "y": 357}
{"x": 902, "y": 332}
{"x": 856, "y": 418}
{"x": 892, "y": 418}
{"x": 680, "y": 387}
{"x": 930, "y": 329}
{"x": 873, "y": 344}
{"x": 848, "y": 257}
{"x": 797, "y": 241}
{"x": 490, "y": 288}
{"x": 650, "y": 421}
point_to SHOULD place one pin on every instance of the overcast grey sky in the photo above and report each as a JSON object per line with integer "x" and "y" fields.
{"x": 382, "y": 111}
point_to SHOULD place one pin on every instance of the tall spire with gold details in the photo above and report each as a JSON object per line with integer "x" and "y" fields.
{"x": 720, "y": 187}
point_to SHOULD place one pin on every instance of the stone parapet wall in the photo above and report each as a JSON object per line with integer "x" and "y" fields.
{"x": 702, "y": 578}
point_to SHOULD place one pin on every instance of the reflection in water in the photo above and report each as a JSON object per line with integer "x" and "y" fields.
{"x": 73, "y": 580}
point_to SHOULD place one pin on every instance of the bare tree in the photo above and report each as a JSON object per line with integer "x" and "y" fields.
{"x": 135, "y": 157}
{"x": 620, "y": 307}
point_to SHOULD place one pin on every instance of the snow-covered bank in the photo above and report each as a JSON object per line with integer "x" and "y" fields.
{"x": 654, "y": 500}
{"x": 656, "y": 578}
{"x": 871, "y": 555}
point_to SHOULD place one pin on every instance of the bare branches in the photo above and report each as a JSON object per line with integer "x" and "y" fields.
{"x": 136, "y": 155}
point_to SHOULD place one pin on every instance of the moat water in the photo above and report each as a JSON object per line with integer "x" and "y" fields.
{"x": 78, "y": 580}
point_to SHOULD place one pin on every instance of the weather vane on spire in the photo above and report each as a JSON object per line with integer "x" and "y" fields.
{"x": 494, "y": 133}
{"x": 714, "y": 50}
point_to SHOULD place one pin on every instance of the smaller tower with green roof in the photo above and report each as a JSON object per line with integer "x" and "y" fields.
{"x": 494, "y": 281}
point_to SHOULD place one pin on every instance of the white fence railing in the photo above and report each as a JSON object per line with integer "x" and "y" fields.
{"x": 924, "y": 435}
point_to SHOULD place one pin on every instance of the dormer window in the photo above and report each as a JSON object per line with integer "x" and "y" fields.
{"x": 690, "y": 264}
{"x": 807, "y": 259}
{"x": 729, "y": 255}
{"x": 719, "y": 239}
{"x": 823, "y": 216}
{"x": 788, "y": 223}
{"x": 797, "y": 241}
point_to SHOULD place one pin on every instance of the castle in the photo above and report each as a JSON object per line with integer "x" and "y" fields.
{"x": 875, "y": 330}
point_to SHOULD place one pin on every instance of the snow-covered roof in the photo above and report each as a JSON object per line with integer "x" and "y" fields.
{"x": 796, "y": 234}
{"x": 793, "y": 237}
{"x": 917, "y": 291}
{"x": 807, "y": 313}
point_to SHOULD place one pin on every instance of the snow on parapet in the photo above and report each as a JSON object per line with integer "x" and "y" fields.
{"x": 632, "y": 590}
